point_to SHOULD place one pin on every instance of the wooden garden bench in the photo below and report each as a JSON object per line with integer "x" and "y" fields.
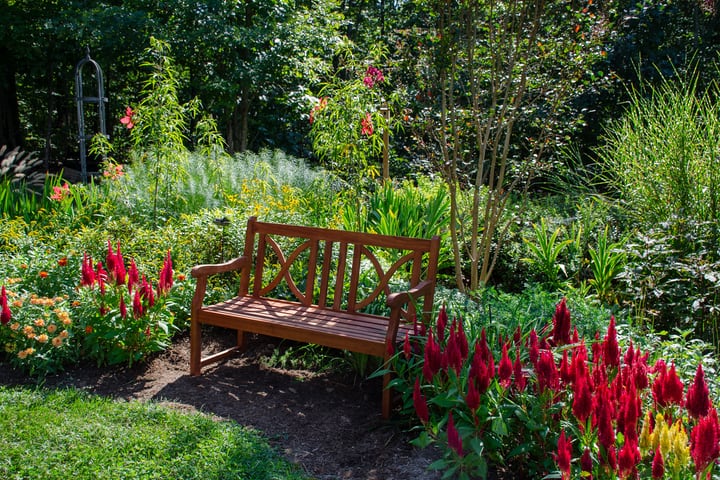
{"x": 314, "y": 285}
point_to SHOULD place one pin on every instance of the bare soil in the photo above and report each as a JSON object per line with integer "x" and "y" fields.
{"x": 329, "y": 424}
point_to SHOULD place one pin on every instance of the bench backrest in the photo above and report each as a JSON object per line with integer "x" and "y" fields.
{"x": 333, "y": 269}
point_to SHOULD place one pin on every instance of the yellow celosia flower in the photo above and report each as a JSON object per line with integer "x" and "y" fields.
{"x": 659, "y": 423}
{"x": 680, "y": 447}
{"x": 665, "y": 442}
{"x": 645, "y": 440}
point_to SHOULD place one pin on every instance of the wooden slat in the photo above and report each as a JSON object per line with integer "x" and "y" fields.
{"x": 325, "y": 274}
{"x": 340, "y": 279}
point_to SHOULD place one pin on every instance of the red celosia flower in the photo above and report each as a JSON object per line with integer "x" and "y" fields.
{"x": 564, "y": 455}
{"x": 87, "y": 273}
{"x": 472, "y": 399}
{"x": 119, "y": 267}
{"x": 133, "y": 276}
{"x": 604, "y": 414}
{"x": 658, "y": 386}
{"x": 658, "y": 465}
{"x": 611, "y": 353}
{"x": 165, "y": 281}
{"x": 520, "y": 378}
{"x": 137, "y": 305}
{"x": 579, "y": 363}
{"x": 546, "y": 370}
{"x": 461, "y": 340}
{"x": 123, "y": 308}
{"x": 704, "y": 441}
{"x": 110, "y": 259}
{"x": 561, "y": 324}
{"x": 628, "y": 459}
{"x": 567, "y": 374}
{"x": 481, "y": 372}
{"x": 698, "y": 396}
{"x": 582, "y": 400}
{"x": 586, "y": 463}
{"x": 148, "y": 334}
{"x": 406, "y": 346}
{"x": 432, "y": 358}
{"x": 505, "y": 368}
{"x": 101, "y": 276}
{"x": 367, "y": 125}
{"x": 420, "y": 404}
{"x": 454, "y": 440}
{"x": 630, "y": 412}
{"x": 127, "y": 120}
{"x": 441, "y": 323}
{"x": 672, "y": 387}
{"x": 5, "y": 313}
{"x": 146, "y": 292}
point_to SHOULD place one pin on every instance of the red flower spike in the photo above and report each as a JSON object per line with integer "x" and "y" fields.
{"x": 520, "y": 378}
{"x": 628, "y": 459}
{"x": 582, "y": 400}
{"x": 611, "y": 350}
{"x": 480, "y": 372}
{"x": 586, "y": 463}
{"x": 5, "y": 313}
{"x": 597, "y": 350}
{"x": 119, "y": 270}
{"x": 604, "y": 414}
{"x": 658, "y": 465}
{"x": 658, "y": 386}
{"x": 110, "y": 259}
{"x": 630, "y": 412}
{"x": 133, "y": 276}
{"x": 704, "y": 446}
{"x": 432, "y": 358}
{"x": 505, "y": 368}
{"x": 462, "y": 341}
{"x": 406, "y": 346}
{"x": 561, "y": 324}
{"x": 87, "y": 272}
{"x": 146, "y": 292}
{"x": 698, "y": 396}
{"x": 517, "y": 336}
{"x": 123, "y": 307}
{"x": 138, "y": 310}
{"x": 566, "y": 371}
{"x": 441, "y": 323}
{"x": 420, "y": 403}
{"x": 672, "y": 387}
{"x": 165, "y": 281}
{"x": 454, "y": 440}
{"x": 547, "y": 374}
{"x": 564, "y": 455}
{"x": 472, "y": 399}
{"x": 102, "y": 277}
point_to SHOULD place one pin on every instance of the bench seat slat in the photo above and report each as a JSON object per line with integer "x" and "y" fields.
{"x": 336, "y": 329}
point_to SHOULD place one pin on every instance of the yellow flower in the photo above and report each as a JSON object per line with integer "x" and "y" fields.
{"x": 57, "y": 341}
{"x": 655, "y": 437}
{"x": 42, "y": 338}
{"x": 51, "y": 328}
{"x": 39, "y": 322}
{"x": 680, "y": 447}
{"x": 665, "y": 442}
{"x": 645, "y": 440}
{"x": 22, "y": 354}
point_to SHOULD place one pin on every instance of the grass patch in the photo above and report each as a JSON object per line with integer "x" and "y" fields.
{"x": 62, "y": 434}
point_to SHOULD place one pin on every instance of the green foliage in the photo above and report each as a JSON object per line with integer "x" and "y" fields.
{"x": 607, "y": 260}
{"x": 661, "y": 157}
{"x": 99, "y": 437}
{"x": 545, "y": 250}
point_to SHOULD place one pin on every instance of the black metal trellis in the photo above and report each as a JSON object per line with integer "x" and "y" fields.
{"x": 99, "y": 100}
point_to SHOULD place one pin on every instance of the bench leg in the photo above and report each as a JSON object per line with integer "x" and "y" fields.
{"x": 241, "y": 340}
{"x": 195, "y": 348}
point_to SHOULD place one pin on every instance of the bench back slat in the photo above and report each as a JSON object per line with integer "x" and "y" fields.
{"x": 320, "y": 255}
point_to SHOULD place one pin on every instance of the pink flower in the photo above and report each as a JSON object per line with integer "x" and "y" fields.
{"x": 60, "y": 193}
{"x": 127, "y": 120}
{"x": 165, "y": 281}
{"x": 373, "y": 75}
{"x": 137, "y": 305}
{"x": 454, "y": 440}
{"x": 87, "y": 272}
{"x": 658, "y": 465}
{"x": 611, "y": 351}
{"x": 367, "y": 125}
{"x": 505, "y": 368}
{"x": 5, "y": 313}
{"x": 472, "y": 399}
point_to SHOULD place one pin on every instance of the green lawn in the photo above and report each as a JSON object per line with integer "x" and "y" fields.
{"x": 67, "y": 434}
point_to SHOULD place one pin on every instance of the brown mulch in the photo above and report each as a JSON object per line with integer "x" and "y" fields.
{"x": 329, "y": 424}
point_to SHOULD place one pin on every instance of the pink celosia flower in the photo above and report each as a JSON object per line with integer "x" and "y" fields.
{"x": 127, "y": 120}
{"x": 5, "y": 313}
{"x": 586, "y": 463}
{"x": 454, "y": 440}
{"x": 87, "y": 273}
{"x": 698, "y": 396}
{"x": 165, "y": 281}
{"x": 704, "y": 441}
{"x": 366, "y": 125}
{"x": 561, "y": 324}
{"x": 564, "y": 455}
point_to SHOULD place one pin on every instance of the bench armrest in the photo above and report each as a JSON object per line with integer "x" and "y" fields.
{"x": 398, "y": 299}
{"x": 210, "y": 269}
